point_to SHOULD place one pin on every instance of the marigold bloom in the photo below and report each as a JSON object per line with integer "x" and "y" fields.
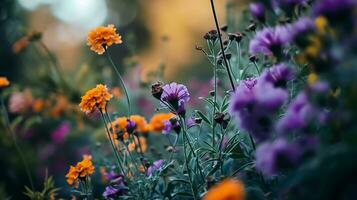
{"x": 102, "y": 37}
{"x": 95, "y": 98}
{"x": 157, "y": 121}
{"x": 4, "y": 82}
{"x": 120, "y": 124}
{"x": 82, "y": 169}
{"x": 229, "y": 189}
{"x": 135, "y": 145}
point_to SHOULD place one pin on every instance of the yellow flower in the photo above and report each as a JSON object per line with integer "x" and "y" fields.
{"x": 321, "y": 24}
{"x": 102, "y": 37}
{"x": 312, "y": 78}
{"x": 229, "y": 189}
{"x": 95, "y": 98}
{"x": 82, "y": 169}
{"x": 157, "y": 121}
{"x": 4, "y": 82}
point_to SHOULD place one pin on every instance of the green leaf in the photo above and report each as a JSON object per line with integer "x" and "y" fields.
{"x": 204, "y": 118}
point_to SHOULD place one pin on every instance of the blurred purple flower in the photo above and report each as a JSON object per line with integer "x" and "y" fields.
{"x": 176, "y": 95}
{"x": 280, "y": 154}
{"x": 299, "y": 113}
{"x": 59, "y": 134}
{"x": 270, "y": 41}
{"x": 190, "y": 122}
{"x": 258, "y": 11}
{"x": 167, "y": 127}
{"x": 116, "y": 187}
{"x": 130, "y": 126}
{"x": 110, "y": 192}
{"x": 254, "y": 103}
{"x": 334, "y": 9}
{"x": 155, "y": 166}
{"x": 278, "y": 75}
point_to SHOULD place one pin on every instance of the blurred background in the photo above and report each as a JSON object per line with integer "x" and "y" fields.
{"x": 43, "y": 53}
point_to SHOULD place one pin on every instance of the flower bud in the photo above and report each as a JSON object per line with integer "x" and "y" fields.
{"x": 157, "y": 90}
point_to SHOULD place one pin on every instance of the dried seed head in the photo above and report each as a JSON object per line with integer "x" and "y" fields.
{"x": 224, "y": 28}
{"x": 157, "y": 90}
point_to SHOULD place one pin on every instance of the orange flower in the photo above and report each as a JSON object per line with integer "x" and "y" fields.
{"x": 82, "y": 169}
{"x": 23, "y": 42}
{"x": 135, "y": 144}
{"x": 116, "y": 92}
{"x": 4, "y": 82}
{"x": 95, "y": 98}
{"x": 120, "y": 125}
{"x": 60, "y": 106}
{"x": 157, "y": 121}
{"x": 229, "y": 189}
{"x": 141, "y": 124}
{"x": 38, "y": 105}
{"x": 102, "y": 37}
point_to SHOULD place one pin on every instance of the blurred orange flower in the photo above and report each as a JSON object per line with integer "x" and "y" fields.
{"x": 61, "y": 105}
{"x": 102, "y": 37}
{"x": 82, "y": 169}
{"x": 136, "y": 146}
{"x": 95, "y": 98}
{"x": 157, "y": 121}
{"x": 119, "y": 125}
{"x": 229, "y": 189}
{"x": 38, "y": 105}
{"x": 4, "y": 82}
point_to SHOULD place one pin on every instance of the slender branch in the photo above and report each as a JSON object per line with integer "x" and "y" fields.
{"x": 14, "y": 139}
{"x": 221, "y": 44}
{"x": 120, "y": 79}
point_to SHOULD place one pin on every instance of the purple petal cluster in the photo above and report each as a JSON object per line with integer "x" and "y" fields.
{"x": 258, "y": 11}
{"x": 116, "y": 187}
{"x": 155, "y": 166}
{"x": 280, "y": 154}
{"x": 254, "y": 103}
{"x": 176, "y": 95}
{"x": 334, "y": 8}
{"x": 60, "y": 133}
{"x": 278, "y": 75}
{"x": 298, "y": 115}
{"x": 270, "y": 41}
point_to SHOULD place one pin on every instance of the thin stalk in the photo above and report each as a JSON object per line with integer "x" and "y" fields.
{"x": 221, "y": 44}
{"x": 215, "y": 99}
{"x": 120, "y": 79}
{"x": 14, "y": 140}
{"x": 220, "y": 150}
{"x": 256, "y": 67}
{"x": 111, "y": 143}
{"x": 188, "y": 169}
{"x": 184, "y": 130}
{"x": 239, "y": 55}
{"x": 173, "y": 147}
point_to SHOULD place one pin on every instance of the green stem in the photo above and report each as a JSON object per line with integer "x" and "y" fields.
{"x": 111, "y": 143}
{"x": 120, "y": 79}
{"x": 187, "y": 167}
{"x": 184, "y": 130}
{"x": 221, "y": 44}
{"x": 256, "y": 67}
{"x": 220, "y": 149}
{"x": 14, "y": 140}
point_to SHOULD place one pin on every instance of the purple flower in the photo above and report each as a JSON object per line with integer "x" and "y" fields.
{"x": 130, "y": 126}
{"x": 258, "y": 11}
{"x": 298, "y": 115}
{"x": 278, "y": 75}
{"x": 110, "y": 192}
{"x": 116, "y": 187}
{"x": 270, "y": 41}
{"x": 280, "y": 154}
{"x": 300, "y": 30}
{"x": 176, "y": 95}
{"x": 59, "y": 134}
{"x": 190, "y": 122}
{"x": 334, "y": 10}
{"x": 155, "y": 166}
{"x": 288, "y": 5}
{"x": 167, "y": 127}
{"x": 253, "y": 105}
